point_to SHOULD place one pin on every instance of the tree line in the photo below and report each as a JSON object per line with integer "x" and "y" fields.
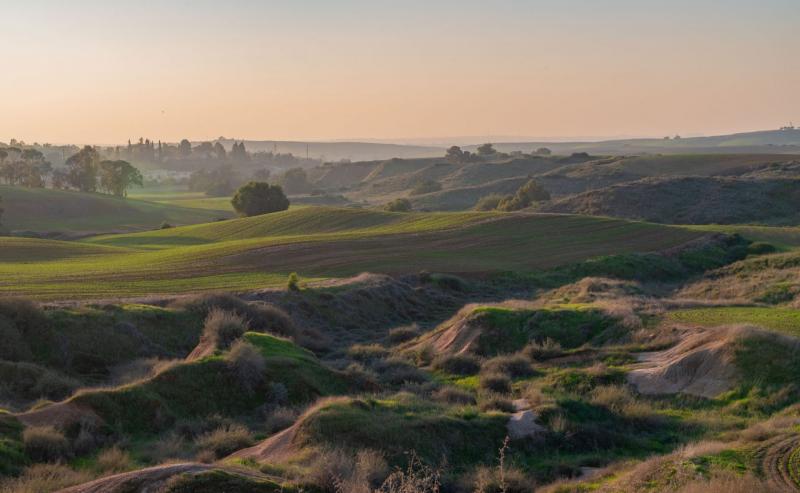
{"x": 85, "y": 171}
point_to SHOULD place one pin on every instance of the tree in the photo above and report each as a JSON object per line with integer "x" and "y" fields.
{"x": 239, "y": 153}
{"x": 59, "y": 179}
{"x": 399, "y": 205}
{"x": 455, "y": 154}
{"x": 543, "y": 151}
{"x": 527, "y": 194}
{"x": 295, "y": 181}
{"x": 116, "y": 177}
{"x": 82, "y": 169}
{"x": 185, "y": 148}
{"x": 257, "y": 198}
{"x": 486, "y": 150}
{"x": 219, "y": 149}
{"x": 1, "y": 210}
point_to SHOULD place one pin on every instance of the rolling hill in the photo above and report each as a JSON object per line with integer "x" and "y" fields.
{"x": 75, "y": 214}
{"x": 319, "y": 243}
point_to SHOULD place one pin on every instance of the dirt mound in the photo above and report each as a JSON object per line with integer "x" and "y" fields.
{"x": 689, "y": 200}
{"x": 281, "y": 446}
{"x": 701, "y": 364}
{"x": 60, "y": 415}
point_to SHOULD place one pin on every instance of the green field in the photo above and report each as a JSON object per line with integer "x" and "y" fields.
{"x": 779, "y": 319}
{"x": 317, "y": 243}
{"x": 77, "y": 213}
{"x": 179, "y": 196}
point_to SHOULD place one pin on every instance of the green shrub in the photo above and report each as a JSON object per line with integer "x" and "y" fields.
{"x": 489, "y": 202}
{"x": 399, "y": 205}
{"x": 427, "y": 186}
{"x": 293, "y": 283}
{"x": 257, "y": 198}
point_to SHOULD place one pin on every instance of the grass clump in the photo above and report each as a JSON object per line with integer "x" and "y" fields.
{"x": 513, "y": 365}
{"x": 222, "y": 328}
{"x": 403, "y": 334}
{"x": 248, "y": 364}
{"x": 495, "y": 382}
{"x": 45, "y": 444}
{"x": 225, "y": 440}
{"x": 457, "y": 364}
{"x": 40, "y": 478}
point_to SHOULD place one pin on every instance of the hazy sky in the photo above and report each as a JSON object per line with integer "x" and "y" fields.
{"x": 103, "y": 71}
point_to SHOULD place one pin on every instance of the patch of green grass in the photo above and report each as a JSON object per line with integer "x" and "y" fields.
{"x": 735, "y": 460}
{"x": 40, "y": 209}
{"x": 209, "y": 386}
{"x": 398, "y": 426}
{"x": 785, "y": 320}
{"x": 12, "y": 455}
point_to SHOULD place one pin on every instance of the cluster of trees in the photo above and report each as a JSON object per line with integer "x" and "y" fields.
{"x": 222, "y": 180}
{"x": 26, "y": 167}
{"x": 485, "y": 152}
{"x": 528, "y": 194}
{"x": 85, "y": 171}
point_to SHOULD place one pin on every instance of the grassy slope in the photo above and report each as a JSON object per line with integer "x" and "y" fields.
{"x": 38, "y": 209}
{"x": 779, "y": 319}
{"x": 179, "y": 196}
{"x": 323, "y": 243}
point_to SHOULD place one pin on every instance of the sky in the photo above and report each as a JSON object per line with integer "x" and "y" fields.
{"x": 102, "y": 72}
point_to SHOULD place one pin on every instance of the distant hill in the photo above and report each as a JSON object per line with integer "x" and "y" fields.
{"x": 785, "y": 141}
{"x": 690, "y": 200}
{"x": 67, "y": 213}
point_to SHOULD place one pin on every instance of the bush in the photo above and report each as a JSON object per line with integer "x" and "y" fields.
{"x": 280, "y": 419}
{"x": 277, "y": 394}
{"x": 225, "y": 440}
{"x": 113, "y": 460}
{"x": 257, "y": 198}
{"x": 403, "y": 334}
{"x": 457, "y": 364}
{"x": 494, "y": 402}
{"x": 514, "y": 365}
{"x": 427, "y": 186}
{"x": 399, "y": 205}
{"x": 495, "y": 382}
{"x": 489, "y": 202}
{"x": 527, "y": 194}
{"x": 395, "y": 371}
{"x": 454, "y": 395}
{"x": 293, "y": 283}
{"x": 45, "y": 444}
{"x": 248, "y": 364}
{"x": 544, "y": 350}
{"x": 223, "y": 328}
{"x": 166, "y": 225}
{"x": 261, "y": 317}
{"x": 45, "y": 477}
{"x": 367, "y": 352}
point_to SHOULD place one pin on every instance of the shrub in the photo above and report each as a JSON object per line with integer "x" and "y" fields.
{"x": 248, "y": 364}
{"x": 527, "y": 194}
{"x": 495, "y": 480}
{"x": 280, "y": 419}
{"x": 427, "y": 186}
{"x": 277, "y": 394}
{"x": 113, "y": 460}
{"x": 45, "y": 477}
{"x": 261, "y": 317}
{"x": 166, "y": 225}
{"x": 399, "y": 205}
{"x": 495, "y": 402}
{"x": 395, "y": 371}
{"x": 222, "y": 328}
{"x": 544, "y": 350}
{"x": 458, "y": 364}
{"x": 403, "y": 334}
{"x": 367, "y": 352}
{"x": 293, "y": 283}
{"x": 495, "y": 382}
{"x": 514, "y": 365}
{"x": 489, "y": 202}
{"x": 417, "y": 478}
{"x": 45, "y": 444}
{"x": 225, "y": 440}
{"x": 257, "y": 198}
{"x": 454, "y": 395}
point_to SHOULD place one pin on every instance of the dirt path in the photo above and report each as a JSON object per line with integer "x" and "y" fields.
{"x": 522, "y": 424}
{"x": 780, "y": 462}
